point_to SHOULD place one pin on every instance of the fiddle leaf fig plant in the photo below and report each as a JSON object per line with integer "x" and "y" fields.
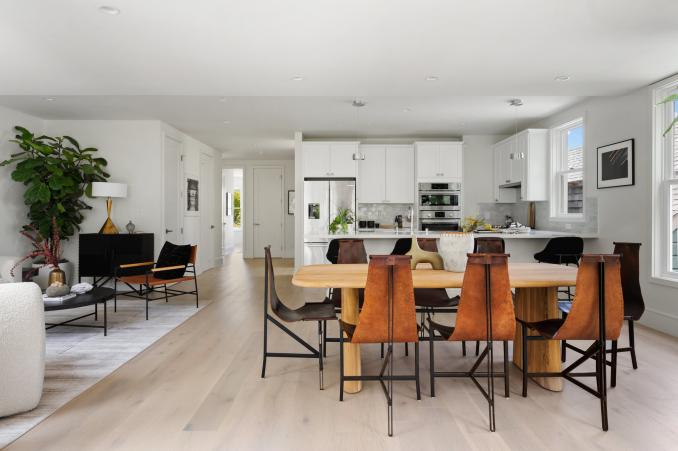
{"x": 57, "y": 174}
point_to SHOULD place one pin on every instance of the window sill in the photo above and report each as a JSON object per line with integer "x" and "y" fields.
{"x": 665, "y": 280}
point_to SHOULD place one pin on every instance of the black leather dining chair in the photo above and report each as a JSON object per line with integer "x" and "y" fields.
{"x": 317, "y": 311}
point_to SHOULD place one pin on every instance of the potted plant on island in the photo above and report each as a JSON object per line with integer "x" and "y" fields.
{"x": 343, "y": 219}
{"x": 57, "y": 174}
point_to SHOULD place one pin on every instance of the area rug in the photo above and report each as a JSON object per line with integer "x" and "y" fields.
{"x": 79, "y": 357}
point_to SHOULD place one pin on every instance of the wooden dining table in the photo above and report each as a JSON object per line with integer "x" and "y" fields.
{"x": 536, "y": 288}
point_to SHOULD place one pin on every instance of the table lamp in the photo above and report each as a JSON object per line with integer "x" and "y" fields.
{"x": 109, "y": 190}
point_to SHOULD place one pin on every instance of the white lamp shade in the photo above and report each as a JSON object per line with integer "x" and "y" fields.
{"x": 105, "y": 189}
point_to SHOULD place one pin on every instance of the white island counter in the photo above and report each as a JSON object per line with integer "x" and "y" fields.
{"x": 521, "y": 246}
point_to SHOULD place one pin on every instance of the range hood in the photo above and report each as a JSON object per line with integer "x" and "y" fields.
{"x": 510, "y": 185}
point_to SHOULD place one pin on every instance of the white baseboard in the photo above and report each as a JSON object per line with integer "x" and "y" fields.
{"x": 661, "y": 321}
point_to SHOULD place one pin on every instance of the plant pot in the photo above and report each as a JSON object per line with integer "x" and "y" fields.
{"x": 42, "y": 277}
{"x": 454, "y": 248}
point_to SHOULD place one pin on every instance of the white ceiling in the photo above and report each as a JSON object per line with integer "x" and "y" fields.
{"x": 172, "y": 60}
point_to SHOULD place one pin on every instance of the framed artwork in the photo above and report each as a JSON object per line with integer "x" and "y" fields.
{"x": 616, "y": 164}
{"x": 290, "y": 202}
{"x": 228, "y": 203}
{"x": 192, "y": 195}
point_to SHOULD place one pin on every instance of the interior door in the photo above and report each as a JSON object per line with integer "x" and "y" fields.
{"x": 172, "y": 181}
{"x": 267, "y": 211}
{"x": 207, "y": 222}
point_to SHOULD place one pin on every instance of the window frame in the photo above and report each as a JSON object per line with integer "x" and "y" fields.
{"x": 558, "y": 157}
{"x": 663, "y": 179}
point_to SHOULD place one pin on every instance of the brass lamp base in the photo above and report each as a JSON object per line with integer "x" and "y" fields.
{"x": 109, "y": 228}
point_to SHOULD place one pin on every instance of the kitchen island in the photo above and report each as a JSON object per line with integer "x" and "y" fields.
{"x": 521, "y": 246}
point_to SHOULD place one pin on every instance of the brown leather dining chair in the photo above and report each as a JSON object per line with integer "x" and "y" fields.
{"x": 342, "y": 251}
{"x": 388, "y": 316}
{"x": 597, "y": 314}
{"x": 634, "y": 306}
{"x": 485, "y": 314}
{"x": 317, "y": 311}
{"x": 486, "y": 245}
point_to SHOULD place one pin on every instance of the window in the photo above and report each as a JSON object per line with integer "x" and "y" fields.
{"x": 665, "y": 178}
{"x": 567, "y": 170}
{"x": 236, "y": 209}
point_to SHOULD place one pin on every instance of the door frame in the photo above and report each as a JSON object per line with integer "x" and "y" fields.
{"x": 163, "y": 191}
{"x": 282, "y": 209}
{"x": 203, "y": 218}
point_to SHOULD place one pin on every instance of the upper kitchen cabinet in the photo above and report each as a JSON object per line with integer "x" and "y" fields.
{"x": 439, "y": 160}
{"x": 520, "y": 167}
{"x": 329, "y": 159}
{"x": 386, "y": 174}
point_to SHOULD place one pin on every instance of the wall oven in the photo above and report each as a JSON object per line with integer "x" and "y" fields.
{"x": 434, "y": 195}
{"x": 440, "y": 206}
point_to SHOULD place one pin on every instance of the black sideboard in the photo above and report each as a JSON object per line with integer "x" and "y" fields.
{"x": 100, "y": 254}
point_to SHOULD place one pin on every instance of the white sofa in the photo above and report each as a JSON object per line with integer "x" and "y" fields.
{"x": 6, "y": 265}
{"x": 22, "y": 347}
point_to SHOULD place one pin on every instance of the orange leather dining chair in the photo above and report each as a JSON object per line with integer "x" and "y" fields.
{"x": 597, "y": 314}
{"x": 485, "y": 314}
{"x": 388, "y": 316}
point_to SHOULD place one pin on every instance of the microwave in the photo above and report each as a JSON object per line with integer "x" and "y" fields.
{"x": 439, "y": 195}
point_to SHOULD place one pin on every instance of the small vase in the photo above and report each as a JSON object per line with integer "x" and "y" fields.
{"x": 56, "y": 275}
{"x": 130, "y": 227}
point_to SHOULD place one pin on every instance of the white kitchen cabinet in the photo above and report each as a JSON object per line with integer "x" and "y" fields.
{"x": 400, "y": 174}
{"x": 372, "y": 175}
{"x": 386, "y": 175}
{"x": 439, "y": 160}
{"x": 329, "y": 159}
{"x": 521, "y": 161}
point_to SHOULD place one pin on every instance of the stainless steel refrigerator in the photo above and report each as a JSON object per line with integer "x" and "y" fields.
{"x": 322, "y": 200}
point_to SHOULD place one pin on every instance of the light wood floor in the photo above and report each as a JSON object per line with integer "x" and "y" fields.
{"x": 199, "y": 388}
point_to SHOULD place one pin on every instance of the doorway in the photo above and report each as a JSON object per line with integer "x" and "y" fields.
{"x": 232, "y": 203}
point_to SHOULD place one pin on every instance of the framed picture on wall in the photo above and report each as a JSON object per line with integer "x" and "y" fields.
{"x": 290, "y": 202}
{"x": 616, "y": 164}
{"x": 192, "y": 199}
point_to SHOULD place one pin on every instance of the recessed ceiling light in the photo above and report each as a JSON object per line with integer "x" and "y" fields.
{"x": 515, "y": 102}
{"x": 561, "y": 77}
{"x": 406, "y": 110}
{"x": 110, "y": 10}
{"x": 431, "y": 78}
{"x": 298, "y": 78}
{"x": 48, "y": 99}
{"x": 226, "y": 122}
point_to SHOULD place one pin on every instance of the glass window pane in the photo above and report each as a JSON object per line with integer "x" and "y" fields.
{"x": 674, "y": 228}
{"x": 575, "y": 192}
{"x": 575, "y": 148}
{"x": 675, "y": 141}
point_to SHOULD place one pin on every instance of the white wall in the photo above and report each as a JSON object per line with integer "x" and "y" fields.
{"x": 247, "y": 204}
{"x": 478, "y": 171}
{"x": 14, "y": 211}
{"x": 132, "y": 149}
{"x": 625, "y": 213}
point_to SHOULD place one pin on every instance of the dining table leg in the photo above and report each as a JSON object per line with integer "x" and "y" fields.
{"x": 537, "y": 304}
{"x": 349, "y": 314}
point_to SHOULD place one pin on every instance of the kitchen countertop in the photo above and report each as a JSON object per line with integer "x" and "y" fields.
{"x": 392, "y": 234}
